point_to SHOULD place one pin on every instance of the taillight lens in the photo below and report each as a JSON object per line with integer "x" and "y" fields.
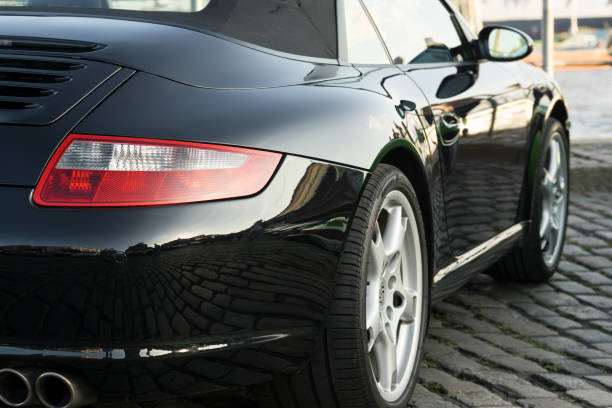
{"x": 105, "y": 171}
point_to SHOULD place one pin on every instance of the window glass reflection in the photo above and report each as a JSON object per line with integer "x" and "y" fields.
{"x": 416, "y": 31}
{"x": 363, "y": 44}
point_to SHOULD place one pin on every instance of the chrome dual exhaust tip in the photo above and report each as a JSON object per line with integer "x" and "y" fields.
{"x": 16, "y": 387}
{"x": 54, "y": 389}
{"x": 64, "y": 390}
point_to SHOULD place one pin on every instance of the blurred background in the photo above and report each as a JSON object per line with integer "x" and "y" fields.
{"x": 582, "y": 52}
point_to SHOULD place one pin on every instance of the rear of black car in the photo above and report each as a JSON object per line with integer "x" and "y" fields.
{"x": 130, "y": 295}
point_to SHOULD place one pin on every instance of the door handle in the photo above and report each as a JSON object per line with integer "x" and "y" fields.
{"x": 450, "y": 120}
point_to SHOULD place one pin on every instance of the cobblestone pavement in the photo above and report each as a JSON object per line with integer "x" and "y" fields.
{"x": 502, "y": 344}
{"x": 592, "y": 155}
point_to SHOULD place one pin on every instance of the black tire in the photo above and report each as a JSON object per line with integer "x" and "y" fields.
{"x": 339, "y": 374}
{"x": 526, "y": 263}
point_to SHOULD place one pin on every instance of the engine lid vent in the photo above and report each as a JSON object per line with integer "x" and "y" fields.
{"x": 40, "y": 64}
{"x": 46, "y": 45}
{"x": 38, "y": 90}
{"x": 8, "y": 76}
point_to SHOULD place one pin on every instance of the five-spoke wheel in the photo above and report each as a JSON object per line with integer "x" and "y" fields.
{"x": 554, "y": 200}
{"x": 393, "y": 293}
{"x": 372, "y": 343}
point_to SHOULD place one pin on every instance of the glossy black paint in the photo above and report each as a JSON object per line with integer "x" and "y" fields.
{"x": 245, "y": 280}
{"x": 482, "y": 130}
{"x": 150, "y": 302}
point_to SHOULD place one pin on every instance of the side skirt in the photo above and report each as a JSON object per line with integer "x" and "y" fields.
{"x": 452, "y": 277}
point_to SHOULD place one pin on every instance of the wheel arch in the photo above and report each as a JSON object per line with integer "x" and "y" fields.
{"x": 560, "y": 112}
{"x": 405, "y": 157}
{"x": 548, "y": 105}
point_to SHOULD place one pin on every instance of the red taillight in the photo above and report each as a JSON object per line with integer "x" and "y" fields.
{"x": 106, "y": 171}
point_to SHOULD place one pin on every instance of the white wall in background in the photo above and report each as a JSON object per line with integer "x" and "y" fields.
{"x": 498, "y": 10}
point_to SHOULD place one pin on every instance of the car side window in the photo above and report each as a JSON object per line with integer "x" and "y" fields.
{"x": 363, "y": 46}
{"x": 417, "y": 31}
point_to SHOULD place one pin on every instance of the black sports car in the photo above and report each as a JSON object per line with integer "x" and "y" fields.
{"x": 259, "y": 194}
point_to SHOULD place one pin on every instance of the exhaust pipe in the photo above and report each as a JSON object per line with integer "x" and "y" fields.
{"x": 64, "y": 390}
{"x": 16, "y": 387}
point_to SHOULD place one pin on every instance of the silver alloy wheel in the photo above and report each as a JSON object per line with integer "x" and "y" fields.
{"x": 394, "y": 293}
{"x": 554, "y": 200}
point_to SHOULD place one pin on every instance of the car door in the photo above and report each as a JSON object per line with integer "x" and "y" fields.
{"x": 481, "y": 113}
{"x": 360, "y": 45}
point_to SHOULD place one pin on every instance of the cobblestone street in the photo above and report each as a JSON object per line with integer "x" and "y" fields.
{"x": 547, "y": 345}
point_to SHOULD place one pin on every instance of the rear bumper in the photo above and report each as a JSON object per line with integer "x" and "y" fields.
{"x": 152, "y": 302}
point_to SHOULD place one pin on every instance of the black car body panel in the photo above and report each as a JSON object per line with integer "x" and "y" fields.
{"x": 275, "y": 119}
{"x": 149, "y": 302}
{"x": 490, "y": 147}
{"x": 160, "y": 284}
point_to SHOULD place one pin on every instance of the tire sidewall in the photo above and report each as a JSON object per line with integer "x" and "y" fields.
{"x": 553, "y": 126}
{"x": 394, "y": 179}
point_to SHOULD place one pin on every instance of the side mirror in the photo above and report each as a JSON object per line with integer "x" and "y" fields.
{"x": 499, "y": 43}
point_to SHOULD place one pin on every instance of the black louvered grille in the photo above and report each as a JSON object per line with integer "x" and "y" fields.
{"x": 43, "y": 45}
{"x": 9, "y": 105}
{"x": 39, "y": 64}
{"x": 36, "y": 90}
{"x": 32, "y": 78}
{"x": 25, "y": 91}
